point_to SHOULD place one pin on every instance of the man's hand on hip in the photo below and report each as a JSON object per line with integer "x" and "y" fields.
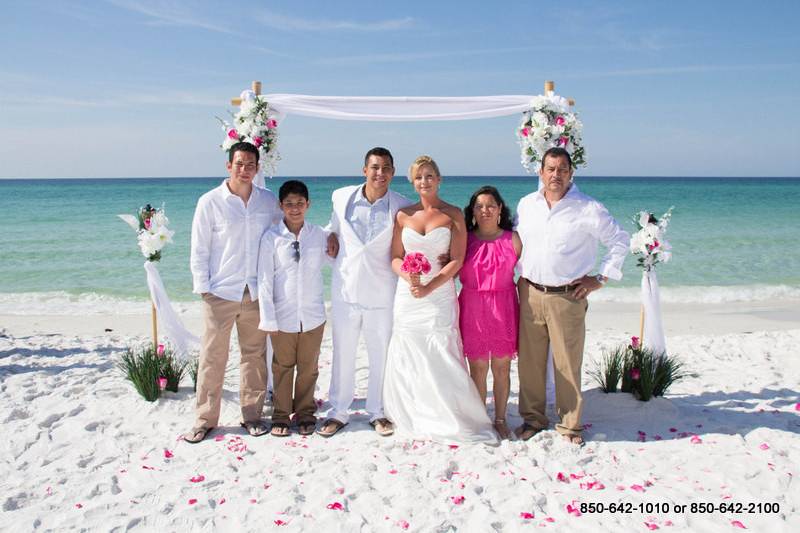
{"x": 585, "y": 285}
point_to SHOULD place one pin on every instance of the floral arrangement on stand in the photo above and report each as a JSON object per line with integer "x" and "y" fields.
{"x": 151, "y": 228}
{"x": 638, "y": 370}
{"x": 547, "y": 124}
{"x": 256, "y": 123}
{"x": 648, "y": 242}
{"x": 152, "y": 370}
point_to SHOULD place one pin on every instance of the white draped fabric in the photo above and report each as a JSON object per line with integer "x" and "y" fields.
{"x": 182, "y": 340}
{"x": 653, "y": 329}
{"x": 398, "y": 108}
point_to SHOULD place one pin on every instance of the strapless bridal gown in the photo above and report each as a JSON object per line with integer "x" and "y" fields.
{"x": 427, "y": 391}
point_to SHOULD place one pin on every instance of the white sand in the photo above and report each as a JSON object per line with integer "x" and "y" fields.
{"x": 84, "y": 451}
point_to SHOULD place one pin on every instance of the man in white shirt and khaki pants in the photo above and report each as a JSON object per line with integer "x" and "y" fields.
{"x": 226, "y": 231}
{"x": 560, "y": 228}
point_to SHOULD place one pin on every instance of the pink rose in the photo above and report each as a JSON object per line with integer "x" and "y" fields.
{"x": 634, "y": 342}
{"x": 560, "y": 121}
{"x": 635, "y": 374}
{"x": 160, "y": 350}
{"x": 272, "y": 123}
{"x": 162, "y": 383}
{"x": 233, "y": 134}
{"x": 258, "y": 141}
{"x": 147, "y": 223}
{"x": 524, "y": 132}
{"x": 563, "y": 141}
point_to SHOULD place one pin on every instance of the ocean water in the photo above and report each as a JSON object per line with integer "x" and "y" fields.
{"x": 732, "y": 238}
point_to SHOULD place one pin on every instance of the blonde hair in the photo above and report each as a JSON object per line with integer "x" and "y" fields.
{"x": 421, "y": 161}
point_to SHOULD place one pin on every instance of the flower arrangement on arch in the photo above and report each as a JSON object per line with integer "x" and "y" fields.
{"x": 150, "y": 224}
{"x": 549, "y": 123}
{"x": 256, "y": 123}
{"x": 648, "y": 242}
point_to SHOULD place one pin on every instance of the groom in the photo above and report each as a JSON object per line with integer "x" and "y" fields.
{"x": 362, "y": 288}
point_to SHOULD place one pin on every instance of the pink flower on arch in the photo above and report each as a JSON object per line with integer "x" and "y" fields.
{"x": 525, "y": 132}
{"x": 233, "y": 134}
{"x": 560, "y": 121}
{"x": 160, "y": 350}
{"x": 272, "y": 123}
{"x": 258, "y": 141}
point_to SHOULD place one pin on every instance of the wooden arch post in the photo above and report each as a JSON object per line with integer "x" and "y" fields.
{"x": 256, "y": 88}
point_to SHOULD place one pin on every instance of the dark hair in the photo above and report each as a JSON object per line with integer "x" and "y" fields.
{"x": 380, "y": 152}
{"x": 243, "y": 147}
{"x": 556, "y": 152}
{"x": 505, "y": 212}
{"x": 292, "y": 187}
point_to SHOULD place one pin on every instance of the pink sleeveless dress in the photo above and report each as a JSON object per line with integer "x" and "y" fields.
{"x": 488, "y": 304}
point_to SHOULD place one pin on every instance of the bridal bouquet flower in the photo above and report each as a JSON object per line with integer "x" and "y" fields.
{"x": 648, "y": 242}
{"x": 153, "y": 234}
{"x": 547, "y": 124}
{"x": 256, "y": 123}
{"x": 415, "y": 263}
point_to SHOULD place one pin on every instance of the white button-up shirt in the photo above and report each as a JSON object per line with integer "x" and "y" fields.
{"x": 290, "y": 297}
{"x": 225, "y": 237}
{"x": 559, "y": 245}
{"x": 368, "y": 219}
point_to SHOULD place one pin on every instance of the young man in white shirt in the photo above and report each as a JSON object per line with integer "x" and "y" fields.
{"x": 560, "y": 228}
{"x": 227, "y": 226}
{"x": 290, "y": 296}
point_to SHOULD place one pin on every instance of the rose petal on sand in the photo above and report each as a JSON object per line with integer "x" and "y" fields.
{"x": 637, "y": 488}
{"x": 198, "y": 478}
{"x": 668, "y": 522}
{"x": 696, "y": 440}
{"x": 221, "y": 501}
{"x": 168, "y": 454}
{"x": 577, "y": 476}
{"x": 573, "y": 510}
{"x": 453, "y": 446}
{"x": 340, "y": 490}
{"x": 458, "y": 500}
{"x": 219, "y": 438}
{"x": 335, "y": 506}
{"x": 145, "y": 467}
{"x": 562, "y": 478}
{"x": 651, "y": 526}
{"x": 393, "y": 471}
{"x": 78, "y": 505}
{"x": 279, "y": 522}
{"x": 673, "y": 430}
{"x": 192, "y": 501}
{"x": 549, "y": 519}
{"x": 764, "y": 446}
{"x": 402, "y": 524}
{"x": 526, "y": 516}
{"x": 736, "y": 523}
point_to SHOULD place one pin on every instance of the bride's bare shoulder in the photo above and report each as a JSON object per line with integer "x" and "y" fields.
{"x": 405, "y": 212}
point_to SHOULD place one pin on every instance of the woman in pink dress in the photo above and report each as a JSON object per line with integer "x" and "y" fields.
{"x": 489, "y": 309}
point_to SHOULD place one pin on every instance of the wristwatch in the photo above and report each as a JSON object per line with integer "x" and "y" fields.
{"x": 601, "y": 278}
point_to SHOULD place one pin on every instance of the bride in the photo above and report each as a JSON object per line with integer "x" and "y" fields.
{"x": 427, "y": 391}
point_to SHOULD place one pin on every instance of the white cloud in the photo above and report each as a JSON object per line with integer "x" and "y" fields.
{"x": 285, "y": 22}
{"x": 169, "y": 14}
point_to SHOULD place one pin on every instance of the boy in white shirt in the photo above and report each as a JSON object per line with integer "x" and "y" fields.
{"x": 292, "y": 308}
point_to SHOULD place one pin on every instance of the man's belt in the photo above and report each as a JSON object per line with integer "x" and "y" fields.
{"x": 548, "y": 288}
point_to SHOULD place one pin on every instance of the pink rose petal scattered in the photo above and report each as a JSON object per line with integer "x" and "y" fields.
{"x": 549, "y": 519}
{"x": 673, "y": 430}
{"x": 526, "y": 516}
{"x": 335, "y": 506}
{"x": 453, "y": 446}
{"x": 736, "y": 523}
{"x": 79, "y": 506}
{"x": 192, "y": 501}
{"x": 221, "y": 501}
{"x": 764, "y": 446}
{"x": 562, "y": 478}
{"x": 253, "y": 500}
{"x": 458, "y": 500}
{"x": 198, "y": 478}
{"x": 668, "y": 522}
{"x": 696, "y": 440}
{"x": 651, "y": 526}
{"x": 280, "y": 522}
{"x": 573, "y": 510}
{"x": 393, "y": 471}
{"x": 638, "y": 488}
{"x": 797, "y": 407}
{"x": 219, "y": 438}
{"x": 340, "y": 490}
{"x": 168, "y": 454}
{"x": 577, "y": 476}
{"x": 145, "y": 467}
{"x": 402, "y": 524}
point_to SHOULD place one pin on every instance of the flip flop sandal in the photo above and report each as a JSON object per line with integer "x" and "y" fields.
{"x": 527, "y": 431}
{"x": 576, "y": 440}
{"x": 276, "y": 429}
{"x": 383, "y": 426}
{"x": 337, "y": 426}
{"x": 306, "y": 428}
{"x": 196, "y": 435}
{"x": 255, "y": 429}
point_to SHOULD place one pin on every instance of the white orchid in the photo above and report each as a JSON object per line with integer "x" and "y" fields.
{"x": 649, "y": 242}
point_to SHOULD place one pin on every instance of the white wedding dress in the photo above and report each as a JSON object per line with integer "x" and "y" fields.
{"x": 427, "y": 391}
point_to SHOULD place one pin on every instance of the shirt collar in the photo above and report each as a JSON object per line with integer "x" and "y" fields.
{"x": 573, "y": 190}
{"x": 284, "y": 230}
{"x": 362, "y": 199}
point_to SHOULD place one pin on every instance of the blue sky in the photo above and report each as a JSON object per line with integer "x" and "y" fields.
{"x": 131, "y": 87}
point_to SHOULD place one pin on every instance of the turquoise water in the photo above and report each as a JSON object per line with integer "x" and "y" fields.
{"x": 64, "y": 235}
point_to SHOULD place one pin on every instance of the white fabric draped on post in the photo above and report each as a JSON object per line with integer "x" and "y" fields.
{"x": 398, "y": 108}
{"x": 653, "y": 329}
{"x": 182, "y": 339}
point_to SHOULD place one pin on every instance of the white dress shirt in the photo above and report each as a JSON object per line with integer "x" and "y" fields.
{"x": 368, "y": 219}
{"x": 290, "y": 297}
{"x": 559, "y": 245}
{"x": 225, "y": 237}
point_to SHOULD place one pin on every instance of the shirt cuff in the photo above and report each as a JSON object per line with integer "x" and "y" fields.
{"x": 611, "y": 272}
{"x": 201, "y": 287}
{"x": 268, "y": 325}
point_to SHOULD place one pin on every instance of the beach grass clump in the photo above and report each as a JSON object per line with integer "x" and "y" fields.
{"x": 142, "y": 367}
{"x": 608, "y": 371}
{"x": 172, "y": 367}
{"x": 638, "y": 370}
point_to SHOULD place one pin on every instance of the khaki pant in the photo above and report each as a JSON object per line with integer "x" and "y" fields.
{"x": 556, "y": 319}
{"x": 220, "y": 316}
{"x": 301, "y": 351}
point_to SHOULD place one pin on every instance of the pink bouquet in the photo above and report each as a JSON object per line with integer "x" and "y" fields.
{"x": 416, "y": 263}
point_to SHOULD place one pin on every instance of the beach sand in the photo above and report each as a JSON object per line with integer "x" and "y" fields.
{"x": 84, "y": 452}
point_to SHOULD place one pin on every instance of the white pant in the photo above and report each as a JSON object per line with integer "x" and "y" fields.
{"x": 348, "y": 322}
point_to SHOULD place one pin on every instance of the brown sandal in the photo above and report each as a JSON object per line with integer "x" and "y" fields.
{"x": 527, "y": 431}
{"x": 196, "y": 435}
{"x": 330, "y": 428}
